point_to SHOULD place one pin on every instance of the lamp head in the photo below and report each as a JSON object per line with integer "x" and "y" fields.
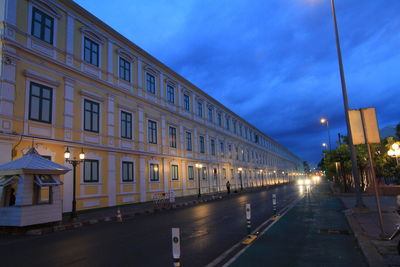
{"x": 82, "y": 155}
{"x": 67, "y": 154}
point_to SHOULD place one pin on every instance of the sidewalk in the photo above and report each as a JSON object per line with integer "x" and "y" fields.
{"x": 314, "y": 232}
{"x": 367, "y": 229}
{"x": 90, "y": 217}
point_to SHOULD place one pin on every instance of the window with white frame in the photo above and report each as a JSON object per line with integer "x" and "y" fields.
{"x": 186, "y": 102}
{"x": 91, "y": 116}
{"x": 90, "y": 52}
{"x": 154, "y": 172}
{"x": 200, "y": 109}
{"x": 127, "y": 171}
{"x": 210, "y": 114}
{"x": 227, "y": 124}
{"x": 188, "y": 141}
{"x": 40, "y": 103}
{"x": 150, "y": 83}
{"x": 91, "y": 171}
{"x": 190, "y": 173}
{"x": 212, "y": 146}
{"x": 204, "y": 173}
{"x": 152, "y": 132}
{"x": 172, "y": 137}
{"x": 42, "y": 26}
{"x": 126, "y": 125}
{"x": 201, "y": 142}
{"x": 124, "y": 69}
{"x": 174, "y": 172}
{"x": 219, "y": 119}
{"x": 170, "y": 94}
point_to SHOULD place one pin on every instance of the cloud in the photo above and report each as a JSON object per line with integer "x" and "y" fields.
{"x": 274, "y": 62}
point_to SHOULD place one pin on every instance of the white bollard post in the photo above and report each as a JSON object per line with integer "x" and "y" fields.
{"x": 176, "y": 247}
{"x": 248, "y": 218}
{"x": 274, "y": 202}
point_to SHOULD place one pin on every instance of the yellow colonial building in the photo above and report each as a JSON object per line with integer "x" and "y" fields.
{"x": 68, "y": 80}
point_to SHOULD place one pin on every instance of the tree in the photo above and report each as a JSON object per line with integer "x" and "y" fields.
{"x": 398, "y": 131}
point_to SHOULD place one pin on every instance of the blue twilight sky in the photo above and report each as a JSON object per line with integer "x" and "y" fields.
{"x": 274, "y": 62}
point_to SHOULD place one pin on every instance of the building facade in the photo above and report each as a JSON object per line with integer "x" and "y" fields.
{"x": 70, "y": 81}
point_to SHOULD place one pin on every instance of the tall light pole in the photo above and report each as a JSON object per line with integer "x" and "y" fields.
{"x": 359, "y": 202}
{"x": 199, "y": 166}
{"x": 325, "y": 121}
{"x": 240, "y": 177}
{"x": 75, "y": 162}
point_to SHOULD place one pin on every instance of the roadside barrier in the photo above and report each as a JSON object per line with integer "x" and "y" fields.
{"x": 176, "y": 247}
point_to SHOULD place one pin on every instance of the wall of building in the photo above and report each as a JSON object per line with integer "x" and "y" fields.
{"x": 60, "y": 66}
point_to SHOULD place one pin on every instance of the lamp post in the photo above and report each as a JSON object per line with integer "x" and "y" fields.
{"x": 359, "y": 202}
{"x": 75, "y": 162}
{"x": 394, "y": 151}
{"x": 199, "y": 166}
{"x": 325, "y": 121}
{"x": 240, "y": 177}
{"x": 276, "y": 178}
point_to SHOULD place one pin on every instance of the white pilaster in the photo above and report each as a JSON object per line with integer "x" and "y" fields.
{"x": 110, "y": 119}
{"x": 184, "y": 176}
{"x": 7, "y": 92}
{"x": 68, "y": 107}
{"x": 142, "y": 177}
{"x": 112, "y": 180}
{"x": 139, "y": 74}
{"x": 141, "y": 128}
{"x": 163, "y": 134}
{"x": 70, "y": 41}
{"x": 182, "y": 147}
{"x": 110, "y": 62}
{"x": 165, "y": 174}
{"x": 162, "y": 93}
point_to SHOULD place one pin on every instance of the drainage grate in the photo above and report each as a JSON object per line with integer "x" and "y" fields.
{"x": 333, "y": 231}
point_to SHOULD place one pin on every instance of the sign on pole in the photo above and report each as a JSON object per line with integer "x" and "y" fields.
{"x": 370, "y": 124}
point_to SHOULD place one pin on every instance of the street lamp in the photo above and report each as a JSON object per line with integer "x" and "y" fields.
{"x": 359, "y": 202}
{"x": 198, "y": 166}
{"x": 75, "y": 162}
{"x": 276, "y": 178}
{"x": 240, "y": 177}
{"x": 394, "y": 151}
{"x": 325, "y": 121}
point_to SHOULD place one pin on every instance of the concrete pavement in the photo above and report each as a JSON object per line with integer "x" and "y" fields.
{"x": 366, "y": 227}
{"x": 314, "y": 232}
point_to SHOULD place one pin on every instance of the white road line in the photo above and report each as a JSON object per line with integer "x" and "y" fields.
{"x": 219, "y": 259}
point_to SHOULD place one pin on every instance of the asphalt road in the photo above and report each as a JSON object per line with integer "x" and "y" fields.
{"x": 207, "y": 230}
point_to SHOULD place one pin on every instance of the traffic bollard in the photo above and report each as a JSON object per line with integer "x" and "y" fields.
{"x": 274, "y": 203}
{"x": 248, "y": 218}
{"x": 176, "y": 247}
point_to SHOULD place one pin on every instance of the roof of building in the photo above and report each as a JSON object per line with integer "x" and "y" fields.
{"x": 32, "y": 163}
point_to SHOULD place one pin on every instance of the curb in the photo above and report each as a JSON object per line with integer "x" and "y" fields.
{"x": 368, "y": 249}
{"x": 151, "y": 210}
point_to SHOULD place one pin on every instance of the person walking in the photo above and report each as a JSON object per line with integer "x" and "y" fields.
{"x": 228, "y": 187}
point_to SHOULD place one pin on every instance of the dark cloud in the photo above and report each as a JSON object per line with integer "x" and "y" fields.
{"x": 274, "y": 62}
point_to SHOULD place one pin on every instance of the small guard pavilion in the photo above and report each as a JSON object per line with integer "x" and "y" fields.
{"x": 30, "y": 190}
